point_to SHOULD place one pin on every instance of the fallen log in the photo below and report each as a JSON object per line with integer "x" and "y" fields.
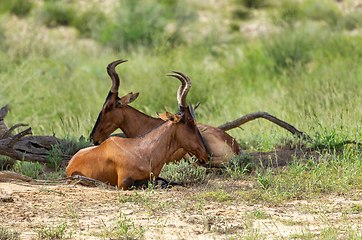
{"x": 23, "y": 147}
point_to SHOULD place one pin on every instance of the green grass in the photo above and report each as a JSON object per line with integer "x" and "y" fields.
{"x": 307, "y": 75}
{"x": 304, "y": 70}
{"x": 7, "y": 234}
{"x": 54, "y": 232}
{"x": 33, "y": 170}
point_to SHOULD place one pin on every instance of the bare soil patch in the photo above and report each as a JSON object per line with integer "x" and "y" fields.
{"x": 212, "y": 211}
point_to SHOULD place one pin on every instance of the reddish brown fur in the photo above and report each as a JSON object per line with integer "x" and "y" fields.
{"x": 121, "y": 161}
{"x": 117, "y": 114}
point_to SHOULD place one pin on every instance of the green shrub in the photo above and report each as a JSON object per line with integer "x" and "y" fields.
{"x": 20, "y": 8}
{"x": 241, "y": 13}
{"x": 351, "y": 20}
{"x": 57, "y": 13}
{"x": 290, "y": 48}
{"x": 253, "y": 3}
{"x": 90, "y": 23}
{"x": 289, "y": 12}
{"x": 322, "y": 10}
{"x": 145, "y": 24}
{"x": 185, "y": 172}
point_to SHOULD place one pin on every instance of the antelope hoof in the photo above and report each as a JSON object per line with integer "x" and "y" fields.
{"x": 165, "y": 183}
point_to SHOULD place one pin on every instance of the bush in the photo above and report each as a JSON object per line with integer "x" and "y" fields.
{"x": 20, "y": 8}
{"x": 145, "y": 24}
{"x": 320, "y": 10}
{"x": 90, "y": 23}
{"x": 253, "y": 3}
{"x": 57, "y": 13}
{"x": 185, "y": 172}
{"x": 241, "y": 13}
{"x": 137, "y": 23}
{"x": 289, "y": 12}
{"x": 351, "y": 20}
{"x": 290, "y": 48}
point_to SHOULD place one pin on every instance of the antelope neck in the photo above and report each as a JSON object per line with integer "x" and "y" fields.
{"x": 136, "y": 123}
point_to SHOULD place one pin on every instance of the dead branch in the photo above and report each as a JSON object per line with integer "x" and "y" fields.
{"x": 252, "y": 116}
{"x": 9, "y": 176}
{"x": 22, "y": 147}
{"x": 14, "y": 175}
{"x": 8, "y": 133}
{"x": 18, "y": 136}
{"x": 4, "y": 111}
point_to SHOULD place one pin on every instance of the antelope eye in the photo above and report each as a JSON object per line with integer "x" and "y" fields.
{"x": 108, "y": 108}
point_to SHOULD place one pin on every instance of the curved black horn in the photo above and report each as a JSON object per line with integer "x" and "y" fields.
{"x": 114, "y": 75}
{"x": 183, "y": 89}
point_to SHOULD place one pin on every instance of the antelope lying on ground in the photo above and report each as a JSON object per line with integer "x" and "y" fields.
{"x": 125, "y": 162}
{"x": 116, "y": 113}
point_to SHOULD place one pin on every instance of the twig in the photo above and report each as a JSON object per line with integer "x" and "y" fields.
{"x": 18, "y": 136}
{"x": 10, "y": 130}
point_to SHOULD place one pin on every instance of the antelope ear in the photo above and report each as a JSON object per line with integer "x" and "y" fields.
{"x": 127, "y": 99}
{"x": 170, "y": 116}
{"x": 133, "y": 97}
{"x": 173, "y": 117}
{"x": 162, "y": 116}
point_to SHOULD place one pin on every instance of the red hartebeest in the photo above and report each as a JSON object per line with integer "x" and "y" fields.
{"x": 127, "y": 161}
{"x": 116, "y": 113}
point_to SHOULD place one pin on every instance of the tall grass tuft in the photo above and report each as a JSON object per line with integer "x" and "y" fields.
{"x": 7, "y": 234}
{"x": 238, "y": 166}
{"x": 54, "y": 232}
{"x": 33, "y": 170}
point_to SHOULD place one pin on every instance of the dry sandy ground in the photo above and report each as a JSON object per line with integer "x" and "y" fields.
{"x": 212, "y": 211}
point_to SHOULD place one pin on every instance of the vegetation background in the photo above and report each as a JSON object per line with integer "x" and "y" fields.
{"x": 297, "y": 60}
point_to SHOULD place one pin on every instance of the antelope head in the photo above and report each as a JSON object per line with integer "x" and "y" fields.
{"x": 112, "y": 107}
{"x": 189, "y": 136}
